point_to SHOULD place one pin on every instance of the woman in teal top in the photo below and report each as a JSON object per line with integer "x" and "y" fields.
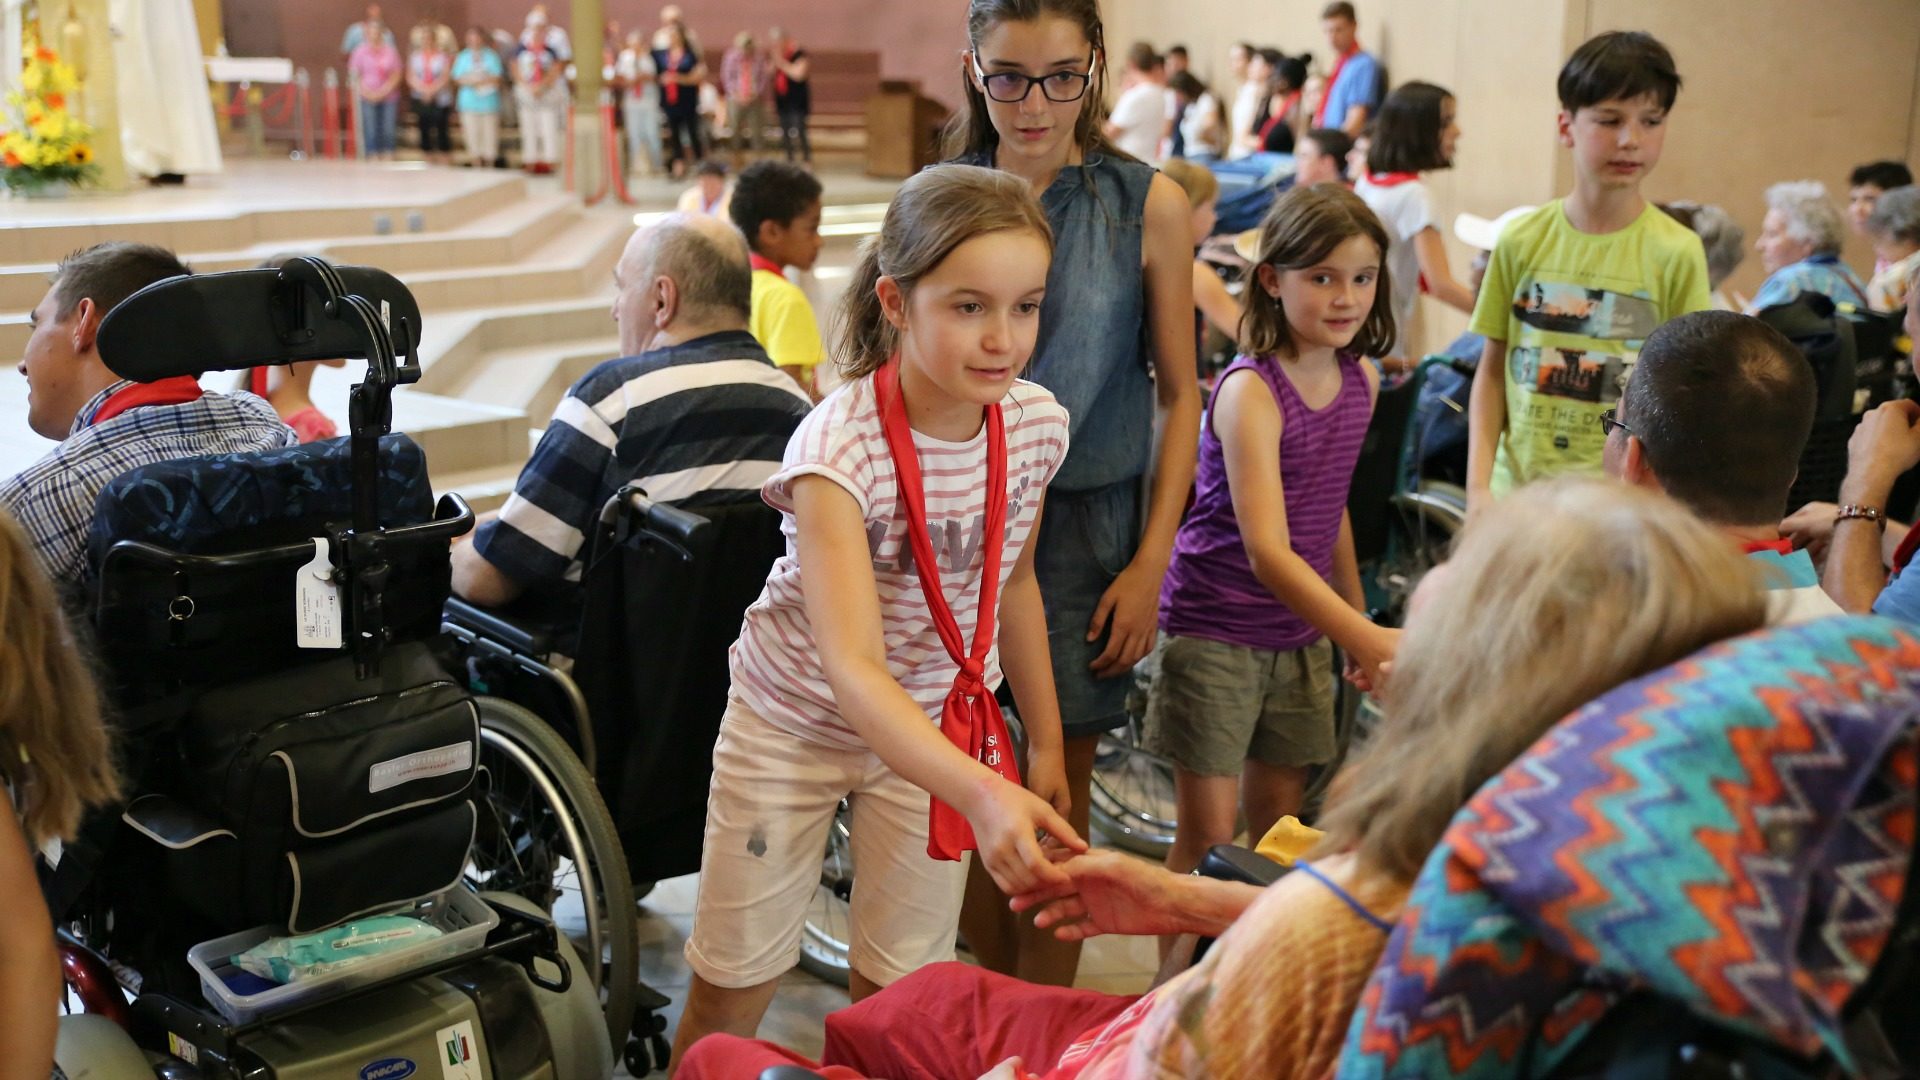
{"x": 477, "y": 71}
{"x": 1116, "y": 339}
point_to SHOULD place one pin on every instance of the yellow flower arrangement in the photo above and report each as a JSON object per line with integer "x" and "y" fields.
{"x": 40, "y": 142}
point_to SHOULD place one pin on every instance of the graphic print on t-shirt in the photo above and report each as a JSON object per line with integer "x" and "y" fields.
{"x": 956, "y": 544}
{"x": 1576, "y": 346}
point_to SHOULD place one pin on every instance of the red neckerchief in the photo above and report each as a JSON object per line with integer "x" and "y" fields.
{"x": 761, "y": 262}
{"x": 1280, "y": 116}
{"x": 780, "y": 83}
{"x": 971, "y": 718}
{"x": 674, "y": 56}
{"x": 175, "y": 391}
{"x": 1333, "y": 80}
{"x": 257, "y": 382}
{"x": 746, "y": 78}
{"x": 1782, "y": 546}
{"x": 1903, "y": 554}
{"x": 1391, "y": 179}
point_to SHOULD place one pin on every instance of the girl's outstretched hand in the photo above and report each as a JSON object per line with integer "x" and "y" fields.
{"x": 1008, "y": 821}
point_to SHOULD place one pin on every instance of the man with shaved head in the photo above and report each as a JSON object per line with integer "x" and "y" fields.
{"x": 692, "y": 411}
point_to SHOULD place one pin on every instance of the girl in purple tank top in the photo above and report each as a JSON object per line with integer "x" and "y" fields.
{"x": 1263, "y": 570}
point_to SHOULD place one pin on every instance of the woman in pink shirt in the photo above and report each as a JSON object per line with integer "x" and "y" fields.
{"x": 376, "y": 71}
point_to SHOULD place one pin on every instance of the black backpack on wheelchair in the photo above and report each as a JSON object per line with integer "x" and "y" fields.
{"x": 297, "y": 755}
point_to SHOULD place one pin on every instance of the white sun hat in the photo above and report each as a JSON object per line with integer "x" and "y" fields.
{"x": 1478, "y": 232}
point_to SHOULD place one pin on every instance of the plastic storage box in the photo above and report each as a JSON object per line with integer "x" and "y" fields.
{"x": 465, "y": 918}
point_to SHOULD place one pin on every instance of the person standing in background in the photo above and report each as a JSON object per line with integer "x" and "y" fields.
{"x": 792, "y": 94}
{"x": 744, "y": 76}
{"x": 540, "y": 91}
{"x": 1353, "y": 86}
{"x": 477, "y": 71}
{"x": 430, "y": 82}
{"x": 638, "y": 82}
{"x": 375, "y": 71}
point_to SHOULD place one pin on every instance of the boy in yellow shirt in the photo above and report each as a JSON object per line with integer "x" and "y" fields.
{"x": 1575, "y": 287}
{"x": 777, "y": 206}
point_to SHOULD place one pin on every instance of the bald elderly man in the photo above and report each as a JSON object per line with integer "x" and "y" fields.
{"x": 693, "y": 411}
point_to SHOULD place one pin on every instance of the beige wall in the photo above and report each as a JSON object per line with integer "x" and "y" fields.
{"x": 1775, "y": 89}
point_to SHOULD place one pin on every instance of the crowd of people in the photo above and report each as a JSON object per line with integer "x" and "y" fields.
{"x": 1018, "y": 482}
{"x": 672, "y": 102}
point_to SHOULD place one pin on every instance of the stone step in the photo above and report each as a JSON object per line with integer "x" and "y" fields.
{"x": 200, "y": 220}
{"x": 504, "y": 235}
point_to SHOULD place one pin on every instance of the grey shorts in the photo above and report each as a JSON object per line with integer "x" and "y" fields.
{"x": 1086, "y": 539}
{"x": 1213, "y": 706}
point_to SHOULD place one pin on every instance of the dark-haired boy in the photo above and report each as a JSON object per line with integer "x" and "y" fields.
{"x": 1716, "y": 416}
{"x": 1865, "y": 185}
{"x": 776, "y": 206}
{"x": 1575, "y": 286}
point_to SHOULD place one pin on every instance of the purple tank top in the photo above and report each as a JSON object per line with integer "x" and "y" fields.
{"x": 1210, "y": 591}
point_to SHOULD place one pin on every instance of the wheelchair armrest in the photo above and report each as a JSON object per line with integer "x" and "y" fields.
{"x": 1226, "y": 862}
{"x": 497, "y": 628}
{"x": 789, "y": 1072}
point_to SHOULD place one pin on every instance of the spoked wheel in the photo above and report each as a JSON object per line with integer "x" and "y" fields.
{"x": 1132, "y": 797}
{"x": 823, "y": 944}
{"x": 1421, "y": 529}
{"x": 547, "y": 836}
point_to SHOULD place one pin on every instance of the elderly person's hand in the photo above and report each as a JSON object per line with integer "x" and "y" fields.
{"x": 1109, "y": 893}
{"x": 1882, "y": 449}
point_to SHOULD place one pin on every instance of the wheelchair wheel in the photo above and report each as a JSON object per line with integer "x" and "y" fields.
{"x": 547, "y": 836}
{"x": 1132, "y": 799}
{"x": 1421, "y": 528}
{"x": 823, "y": 944}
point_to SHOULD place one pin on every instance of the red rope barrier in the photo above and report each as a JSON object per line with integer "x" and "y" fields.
{"x": 615, "y": 169}
{"x": 330, "y": 115}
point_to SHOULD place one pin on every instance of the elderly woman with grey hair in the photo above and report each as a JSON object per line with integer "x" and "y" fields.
{"x": 1722, "y": 237}
{"x": 1894, "y": 226}
{"x": 1800, "y": 247}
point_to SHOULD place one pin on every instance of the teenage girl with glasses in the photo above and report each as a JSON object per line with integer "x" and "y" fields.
{"x": 1115, "y": 342}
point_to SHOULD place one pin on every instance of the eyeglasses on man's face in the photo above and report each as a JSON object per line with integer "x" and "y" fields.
{"x": 1610, "y": 420}
{"x": 1011, "y": 87}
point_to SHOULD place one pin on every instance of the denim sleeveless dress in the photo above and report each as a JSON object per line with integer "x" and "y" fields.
{"x": 1091, "y": 352}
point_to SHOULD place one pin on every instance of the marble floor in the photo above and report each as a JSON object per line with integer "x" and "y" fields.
{"x": 1118, "y": 965}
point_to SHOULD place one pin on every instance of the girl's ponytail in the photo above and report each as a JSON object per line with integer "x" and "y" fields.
{"x": 866, "y": 338}
{"x": 934, "y": 212}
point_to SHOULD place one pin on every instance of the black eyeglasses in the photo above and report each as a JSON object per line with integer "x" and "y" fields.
{"x": 1610, "y": 420}
{"x": 1008, "y": 87}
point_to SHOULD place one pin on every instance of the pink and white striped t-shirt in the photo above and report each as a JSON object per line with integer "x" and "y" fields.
{"x": 776, "y": 664}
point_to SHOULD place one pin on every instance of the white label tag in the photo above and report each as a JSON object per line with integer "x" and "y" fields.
{"x": 318, "y": 600}
{"x": 440, "y": 761}
{"x": 459, "y": 1052}
{"x": 386, "y": 315}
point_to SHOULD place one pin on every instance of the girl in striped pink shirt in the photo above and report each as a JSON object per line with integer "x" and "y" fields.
{"x": 866, "y": 669}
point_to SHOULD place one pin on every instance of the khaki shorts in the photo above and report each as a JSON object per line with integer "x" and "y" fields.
{"x": 1214, "y": 705}
{"x": 772, "y": 801}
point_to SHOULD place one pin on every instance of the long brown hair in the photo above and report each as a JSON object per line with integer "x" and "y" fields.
{"x": 1558, "y": 593}
{"x": 934, "y": 212}
{"x": 54, "y": 748}
{"x": 1303, "y": 226}
{"x": 970, "y": 130}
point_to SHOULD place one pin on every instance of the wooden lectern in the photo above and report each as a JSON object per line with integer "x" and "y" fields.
{"x": 903, "y": 130}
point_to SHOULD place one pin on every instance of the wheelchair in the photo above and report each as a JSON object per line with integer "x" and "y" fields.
{"x": 298, "y": 755}
{"x": 1403, "y": 524}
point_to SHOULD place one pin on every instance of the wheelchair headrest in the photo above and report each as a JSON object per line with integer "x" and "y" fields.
{"x": 228, "y": 502}
{"x": 249, "y": 318}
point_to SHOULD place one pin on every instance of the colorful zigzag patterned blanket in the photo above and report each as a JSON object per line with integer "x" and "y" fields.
{"x": 1731, "y": 833}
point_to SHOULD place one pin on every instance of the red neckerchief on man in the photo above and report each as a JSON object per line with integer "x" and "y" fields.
{"x": 175, "y": 391}
{"x": 780, "y": 82}
{"x": 674, "y": 56}
{"x": 1903, "y": 554}
{"x": 1333, "y": 80}
{"x": 1782, "y": 546}
{"x": 971, "y": 718}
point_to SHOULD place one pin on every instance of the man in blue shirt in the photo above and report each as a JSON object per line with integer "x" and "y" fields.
{"x": 1353, "y": 86}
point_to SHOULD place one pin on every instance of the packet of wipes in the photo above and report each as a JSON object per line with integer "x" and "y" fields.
{"x": 291, "y": 959}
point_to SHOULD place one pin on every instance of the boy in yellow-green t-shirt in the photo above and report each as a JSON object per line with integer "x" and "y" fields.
{"x": 776, "y": 205}
{"x": 1574, "y": 287}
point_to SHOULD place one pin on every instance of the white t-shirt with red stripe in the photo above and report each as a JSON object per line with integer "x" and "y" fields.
{"x": 776, "y": 663}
